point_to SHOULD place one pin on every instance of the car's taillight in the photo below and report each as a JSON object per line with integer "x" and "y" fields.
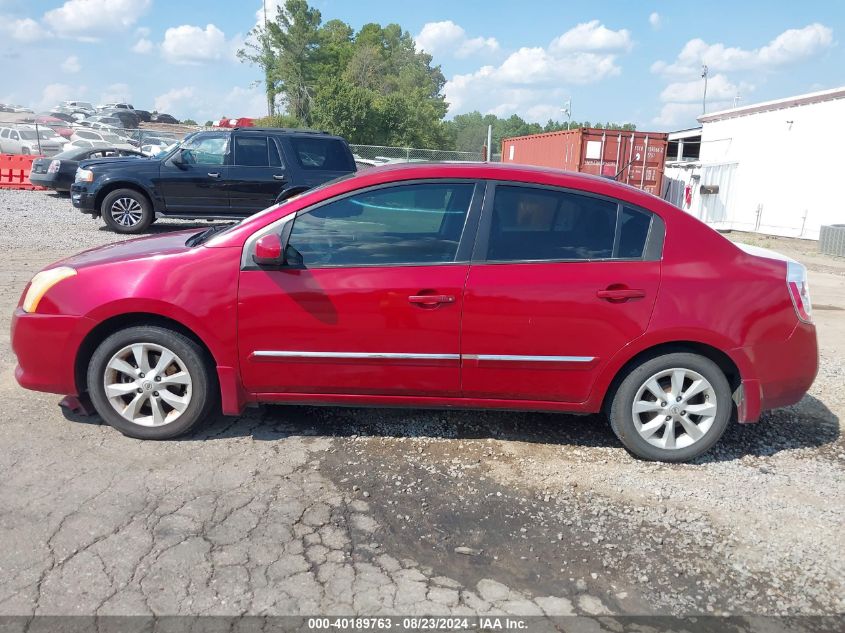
{"x": 799, "y": 290}
{"x": 54, "y": 166}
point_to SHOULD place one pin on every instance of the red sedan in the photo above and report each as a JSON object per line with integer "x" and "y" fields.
{"x": 451, "y": 285}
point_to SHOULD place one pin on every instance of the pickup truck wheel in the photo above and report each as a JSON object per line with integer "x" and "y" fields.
{"x": 672, "y": 408}
{"x": 127, "y": 211}
{"x": 151, "y": 383}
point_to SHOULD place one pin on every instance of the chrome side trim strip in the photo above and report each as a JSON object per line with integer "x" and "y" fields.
{"x": 404, "y": 356}
{"x": 355, "y": 355}
{"x": 529, "y": 359}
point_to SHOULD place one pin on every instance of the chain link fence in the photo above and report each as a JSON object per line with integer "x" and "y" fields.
{"x": 381, "y": 155}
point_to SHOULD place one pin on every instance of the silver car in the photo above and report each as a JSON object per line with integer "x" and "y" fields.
{"x": 26, "y": 139}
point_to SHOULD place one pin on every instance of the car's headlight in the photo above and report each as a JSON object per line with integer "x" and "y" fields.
{"x": 84, "y": 175}
{"x": 42, "y": 282}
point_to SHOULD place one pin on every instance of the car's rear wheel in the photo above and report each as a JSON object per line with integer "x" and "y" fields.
{"x": 127, "y": 211}
{"x": 672, "y": 408}
{"x": 151, "y": 383}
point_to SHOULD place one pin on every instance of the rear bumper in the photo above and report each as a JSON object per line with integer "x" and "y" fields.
{"x": 784, "y": 372}
{"x": 45, "y": 346}
{"x": 51, "y": 181}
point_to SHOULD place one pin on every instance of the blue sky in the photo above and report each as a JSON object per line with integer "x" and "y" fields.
{"x": 617, "y": 60}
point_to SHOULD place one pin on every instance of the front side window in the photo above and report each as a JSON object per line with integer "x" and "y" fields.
{"x": 322, "y": 153}
{"x": 530, "y": 223}
{"x": 206, "y": 149}
{"x": 405, "y": 224}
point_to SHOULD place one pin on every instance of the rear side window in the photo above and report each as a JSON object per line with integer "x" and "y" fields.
{"x": 251, "y": 151}
{"x": 537, "y": 224}
{"x": 315, "y": 152}
{"x": 540, "y": 224}
{"x": 633, "y": 233}
{"x": 407, "y": 224}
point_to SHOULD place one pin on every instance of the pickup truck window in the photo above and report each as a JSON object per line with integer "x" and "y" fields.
{"x": 322, "y": 153}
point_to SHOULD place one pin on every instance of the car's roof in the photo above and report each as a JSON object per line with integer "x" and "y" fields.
{"x": 499, "y": 171}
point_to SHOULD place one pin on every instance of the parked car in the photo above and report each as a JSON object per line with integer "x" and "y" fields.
{"x": 163, "y": 118}
{"x": 59, "y": 171}
{"x": 450, "y": 285}
{"x": 56, "y": 124}
{"x": 102, "y": 136}
{"x": 111, "y": 106}
{"x": 24, "y": 139}
{"x": 6, "y": 108}
{"x": 98, "y": 121}
{"x": 144, "y": 115}
{"x": 79, "y": 106}
{"x": 128, "y": 118}
{"x": 220, "y": 174}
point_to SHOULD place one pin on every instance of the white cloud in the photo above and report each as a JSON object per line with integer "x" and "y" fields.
{"x": 440, "y": 38}
{"x": 142, "y": 31}
{"x": 719, "y": 87}
{"x": 172, "y": 99}
{"x": 143, "y": 46}
{"x": 188, "y": 44}
{"x": 592, "y": 36}
{"x": 88, "y": 20}
{"x": 654, "y": 20}
{"x": 54, "y": 93}
{"x": 532, "y": 81}
{"x": 116, "y": 93}
{"x": 22, "y": 30}
{"x": 790, "y": 46}
{"x": 71, "y": 64}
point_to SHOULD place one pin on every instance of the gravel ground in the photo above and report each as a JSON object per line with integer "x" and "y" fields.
{"x": 298, "y": 510}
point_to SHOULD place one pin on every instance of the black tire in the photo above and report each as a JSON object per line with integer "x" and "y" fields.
{"x": 204, "y": 392}
{"x": 622, "y": 417}
{"x": 110, "y": 210}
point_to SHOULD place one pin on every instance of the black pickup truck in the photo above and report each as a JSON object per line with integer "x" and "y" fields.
{"x": 226, "y": 174}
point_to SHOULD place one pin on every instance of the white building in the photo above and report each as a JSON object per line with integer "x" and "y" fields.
{"x": 769, "y": 167}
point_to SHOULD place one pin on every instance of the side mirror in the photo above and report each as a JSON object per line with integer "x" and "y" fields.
{"x": 268, "y": 251}
{"x": 176, "y": 159}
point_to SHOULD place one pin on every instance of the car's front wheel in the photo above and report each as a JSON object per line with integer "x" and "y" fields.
{"x": 672, "y": 408}
{"x": 151, "y": 383}
{"x": 127, "y": 211}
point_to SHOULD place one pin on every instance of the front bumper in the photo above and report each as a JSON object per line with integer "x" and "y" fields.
{"x": 46, "y": 347}
{"x": 83, "y": 199}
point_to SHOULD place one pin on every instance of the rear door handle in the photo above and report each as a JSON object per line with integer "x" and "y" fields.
{"x": 620, "y": 294}
{"x": 214, "y": 174}
{"x": 431, "y": 300}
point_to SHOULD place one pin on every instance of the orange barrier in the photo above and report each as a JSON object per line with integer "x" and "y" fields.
{"x": 14, "y": 171}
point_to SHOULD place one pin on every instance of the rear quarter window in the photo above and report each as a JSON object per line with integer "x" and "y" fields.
{"x": 329, "y": 154}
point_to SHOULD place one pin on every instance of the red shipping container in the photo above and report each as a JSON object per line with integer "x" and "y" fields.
{"x": 635, "y": 158}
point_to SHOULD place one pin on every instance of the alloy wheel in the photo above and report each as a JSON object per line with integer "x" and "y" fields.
{"x": 126, "y": 211}
{"x": 674, "y": 408}
{"x": 147, "y": 384}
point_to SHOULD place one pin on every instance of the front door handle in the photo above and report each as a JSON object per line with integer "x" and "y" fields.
{"x": 214, "y": 174}
{"x": 620, "y": 294}
{"x": 431, "y": 300}
{"x": 279, "y": 177}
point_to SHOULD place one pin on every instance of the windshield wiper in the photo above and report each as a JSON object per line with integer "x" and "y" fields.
{"x": 205, "y": 235}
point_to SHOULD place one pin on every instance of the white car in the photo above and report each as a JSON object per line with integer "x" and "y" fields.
{"x": 99, "y": 135}
{"x": 25, "y": 139}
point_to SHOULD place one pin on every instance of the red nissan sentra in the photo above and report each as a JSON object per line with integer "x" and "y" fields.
{"x": 450, "y": 285}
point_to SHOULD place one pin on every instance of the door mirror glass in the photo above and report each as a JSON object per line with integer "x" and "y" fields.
{"x": 268, "y": 250}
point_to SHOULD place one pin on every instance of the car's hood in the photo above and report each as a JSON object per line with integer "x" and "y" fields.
{"x": 152, "y": 247}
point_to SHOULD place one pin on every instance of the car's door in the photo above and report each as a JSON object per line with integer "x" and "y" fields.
{"x": 193, "y": 179}
{"x": 562, "y": 280}
{"x": 14, "y": 145}
{"x": 4, "y": 139}
{"x": 257, "y": 175}
{"x": 375, "y": 306}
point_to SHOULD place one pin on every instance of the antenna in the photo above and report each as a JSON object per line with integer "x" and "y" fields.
{"x": 704, "y": 71}
{"x": 567, "y": 110}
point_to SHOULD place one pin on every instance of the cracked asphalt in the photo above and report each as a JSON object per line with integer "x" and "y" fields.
{"x": 299, "y": 510}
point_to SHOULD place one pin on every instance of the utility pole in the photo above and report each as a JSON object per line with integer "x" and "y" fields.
{"x": 737, "y": 99}
{"x": 489, "y": 143}
{"x": 704, "y": 70}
